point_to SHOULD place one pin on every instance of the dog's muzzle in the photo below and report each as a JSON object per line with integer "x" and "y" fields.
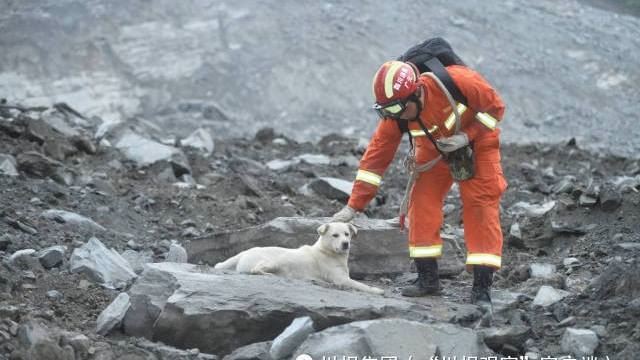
{"x": 345, "y": 246}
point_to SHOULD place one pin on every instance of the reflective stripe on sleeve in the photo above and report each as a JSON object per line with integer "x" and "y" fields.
{"x": 369, "y": 177}
{"x": 487, "y": 120}
{"x": 451, "y": 120}
{"x": 417, "y": 133}
{"x": 425, "y": 251}
{"x": 484, "y": 259}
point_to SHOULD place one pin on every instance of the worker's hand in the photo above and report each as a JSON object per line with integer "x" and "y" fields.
{"x": 345, "y": 214}
{"x": 453, "y": 143}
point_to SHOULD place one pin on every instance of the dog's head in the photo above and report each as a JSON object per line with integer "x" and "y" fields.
{"x": 337, "y": 236}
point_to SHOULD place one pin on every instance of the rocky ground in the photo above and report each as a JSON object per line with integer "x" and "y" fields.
{"x": 571, "y": 221}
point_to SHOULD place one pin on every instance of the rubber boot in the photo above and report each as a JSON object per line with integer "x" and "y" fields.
{"x": 481, "y": 292}
{"x": 428, "y": 282}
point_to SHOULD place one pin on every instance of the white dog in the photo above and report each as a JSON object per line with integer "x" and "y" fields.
{"x": 325, "y": 260}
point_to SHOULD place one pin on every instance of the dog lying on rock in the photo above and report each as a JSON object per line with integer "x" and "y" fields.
{"x": 325, "y": 260}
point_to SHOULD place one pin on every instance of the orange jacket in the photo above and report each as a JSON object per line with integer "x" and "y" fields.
{"x": 486, "y": 109}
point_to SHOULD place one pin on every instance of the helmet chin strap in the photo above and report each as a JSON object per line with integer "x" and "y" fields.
{"x": 416, "y": 99}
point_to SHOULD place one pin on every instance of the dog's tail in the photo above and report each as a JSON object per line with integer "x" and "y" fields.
{"x": 229, "y": 264}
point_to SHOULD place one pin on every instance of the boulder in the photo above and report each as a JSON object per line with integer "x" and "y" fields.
{"x": 255, "y": 351}
{"x": 176, "y": 253}
{"x": 73, "y": 219}
{"x": 332, "y": 188}
{"x": 579, "y": 342}
{"x": 400, "y": 338}
{"x": 542, "y": 270}
{"x": 287, "y": 342}
{"x": 101, "y": 265}
{"x": 200, "y": 139}
{"x": 8, "y": 165}
{"x": 35, "y": 164}
{"x": 137, "y": 259}
{"x": 52, "y": 256}
{"x": 497, "y": 338}
{"x": 143, "y": 151}
{"x": 189, "y": 306}
{"x": 548, "y": 296}
{"x": 110, "y": 317}
{"x": 379, "y": 248}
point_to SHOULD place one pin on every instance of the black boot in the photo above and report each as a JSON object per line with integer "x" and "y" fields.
{"x": 481, "y": 291}
{"x": 428, "y": 282}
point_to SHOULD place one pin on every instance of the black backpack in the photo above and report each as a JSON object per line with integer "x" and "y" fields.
{"x": 432, "y": 56}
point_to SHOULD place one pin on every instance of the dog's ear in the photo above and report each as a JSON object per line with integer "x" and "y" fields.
{"x": 322, "y": 229}
{"x": 353, "y": 230}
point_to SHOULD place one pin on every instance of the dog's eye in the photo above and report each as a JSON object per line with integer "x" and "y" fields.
{"x": 346, "y": 234}
{"x": 335, "y": 235}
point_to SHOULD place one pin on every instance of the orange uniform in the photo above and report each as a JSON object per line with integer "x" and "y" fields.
{"x": 480, "y": 194}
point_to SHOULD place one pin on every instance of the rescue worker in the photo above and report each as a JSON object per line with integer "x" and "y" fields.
{"x": 401, "y": 94}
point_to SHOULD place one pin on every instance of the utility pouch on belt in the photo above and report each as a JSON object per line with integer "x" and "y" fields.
{"x": 461, "y": 163}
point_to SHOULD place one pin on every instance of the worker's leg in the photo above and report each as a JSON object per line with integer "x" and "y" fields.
{"x": 425, "y": 220}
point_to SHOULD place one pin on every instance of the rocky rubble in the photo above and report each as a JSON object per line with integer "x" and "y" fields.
{"x": 88, "y": 227}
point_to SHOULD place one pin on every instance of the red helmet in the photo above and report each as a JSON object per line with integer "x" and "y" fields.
{"x": 395, "y": 80}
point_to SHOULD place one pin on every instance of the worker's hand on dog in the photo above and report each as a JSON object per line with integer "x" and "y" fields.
{"x": 453, "y": 142}
{"x": 345, "y": 214}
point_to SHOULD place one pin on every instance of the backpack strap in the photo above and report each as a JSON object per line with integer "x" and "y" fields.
{"x": 441, "y": 72}
{"x": 403, "y": 125}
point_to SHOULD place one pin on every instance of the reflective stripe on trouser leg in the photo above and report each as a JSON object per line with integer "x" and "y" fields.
{"x": 481, "y": 214}
{"x": 425, "y": 211}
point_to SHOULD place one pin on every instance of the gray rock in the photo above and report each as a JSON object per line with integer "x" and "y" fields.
{"x": 504, "y": 300}
{"x": 79, "y": 342}
{"x": 610, "y": 198}
{"x": 570, "y": 261}
{"x": 143, "y": 151}
{"x": 172, "y": 302}
{"x": 176, "y": 253}
{"x": 314, "y": 159}
{"x": 547, "y": 296}
{"x": 25, "y": 260}
{"x": 399, "y": 337}
{"x": 171, "y": 353}
{"x": 255, "y": 351}
{"x": 18, "y": 256}
{"x": 54, "y": 295}
{"x": 5, "y": 241}
{"x": 542, "y": 270}
{"x": 8, "y": 165}
{"x": 199, "y": 139}
{"x": 579, "y": 342}
{"x": 628, "y": 246}
{"x": 38, "y": 165}
{"x": 380, "y": 248}
{"x": 52, "y": 256}
{"x": 516, "y": 336}
{"x": 137, "y": 260}
{"x": 280, "y": 165}
{"x": 287, "y": 342}
{"x": 531, "y": 210}
{"x": 110, "y": 317}
{"x": 332, "y": 188}
{"x": 101, "y": 265}
{"x": 587, "y": 200}
{"x": 74, "y": 219}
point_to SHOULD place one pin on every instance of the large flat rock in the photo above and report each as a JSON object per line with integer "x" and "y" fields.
{"x": 379, "y": 248}
{"x": 400, "y": 338}
{"x": 189, "y": 306}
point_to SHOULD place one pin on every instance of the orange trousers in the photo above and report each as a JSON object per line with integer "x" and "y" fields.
{"x": 480, "y": 207}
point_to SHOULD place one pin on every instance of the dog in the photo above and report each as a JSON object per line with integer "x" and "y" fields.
{"x": 325, "y": 260}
